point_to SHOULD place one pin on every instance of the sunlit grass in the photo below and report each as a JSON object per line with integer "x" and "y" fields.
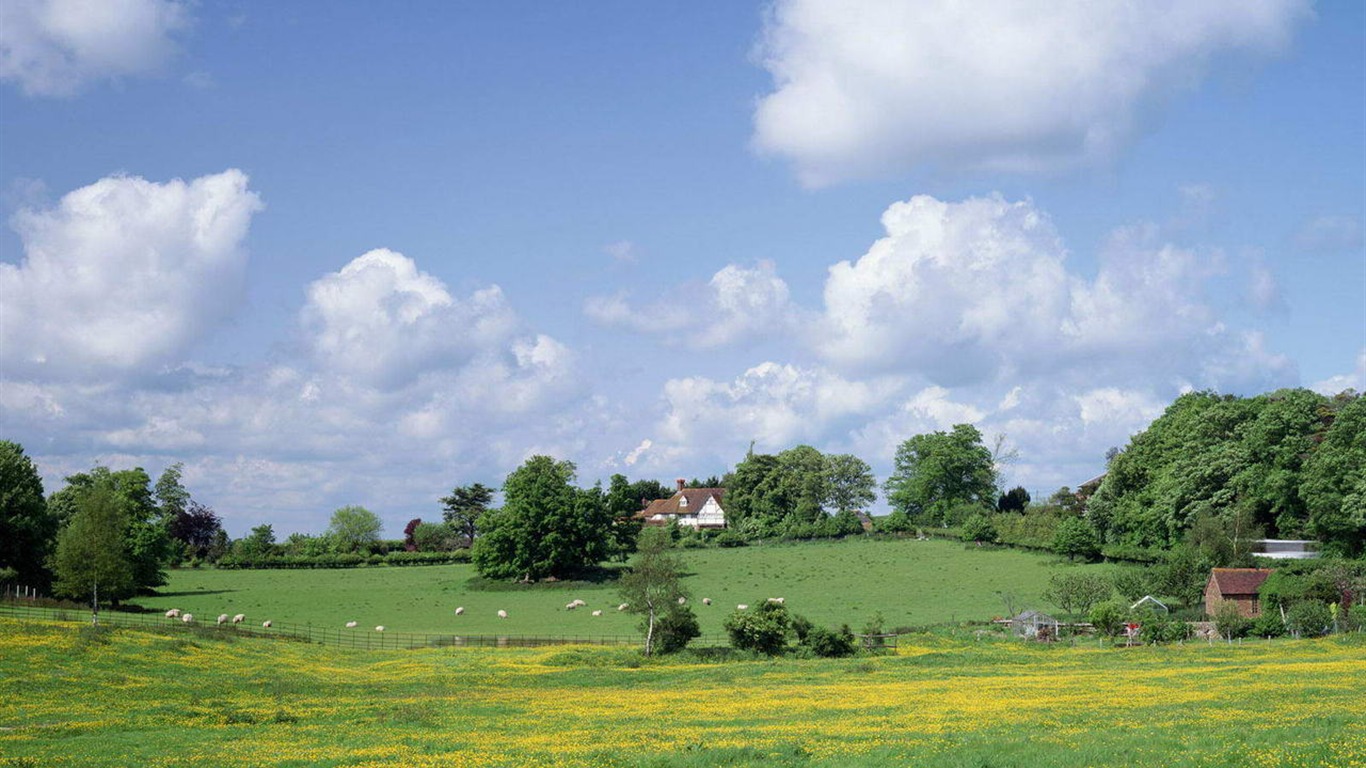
{"x": 76, "y": 697}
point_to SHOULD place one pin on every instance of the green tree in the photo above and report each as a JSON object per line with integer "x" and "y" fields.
{"x": 1076, "y": 592}
{"x": 1075, "y": 538}
{"x": 464, "y": 507}
{"x": 28, "y": 531}
{"x": 653, "y": 586}
{"x": 354, "y": 528}
{"x": 546, "y": 526}
{"x": 1013, "y": 500}
{"x": 146, "y": 538}
{"x": 258, "y": 544}
{"x": 765, "y": 629}
{"x": 1183, "y": 575}
{"x": 979, "y": 528}
{"x": 172, "y": 498}
{"x": 624, "y": 504}
{"x": 851, "y": 485}
{"x": 92, "y": 558}
{"x": 1107, "y": 618}
{"x": 1333, "y": 483}
{"x": 939, "y": 471}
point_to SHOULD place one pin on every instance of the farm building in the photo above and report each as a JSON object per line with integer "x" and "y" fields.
{"x": 691, "y": 507}
{"x": 1236, "y": 585}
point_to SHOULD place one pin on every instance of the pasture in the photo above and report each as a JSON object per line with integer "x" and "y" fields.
{"x": 912, "y": 583}
{"x": 75, "y": 696}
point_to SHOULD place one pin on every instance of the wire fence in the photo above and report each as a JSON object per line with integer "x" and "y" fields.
{"x": 367, "y": 638}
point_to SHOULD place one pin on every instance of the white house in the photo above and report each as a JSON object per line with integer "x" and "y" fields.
{"x": 691, "y": 507}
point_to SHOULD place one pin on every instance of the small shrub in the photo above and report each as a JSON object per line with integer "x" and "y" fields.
{"x": 1230, "y": 623}
{"x": 675, "y": 629}
{"x": 980, "y": 529}
{"x": 764, "y": 629}
{"x": 1267, "y": 625}
{"x": 1108, "y": 618}
{"x": 831, "y": 644}
{"x": 728, "y": 539}
{"x": 1310, "y": 618}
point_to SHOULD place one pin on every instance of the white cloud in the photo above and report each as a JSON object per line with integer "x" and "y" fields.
{"x": 1330, "y": 234}
{"x": 882, "y": 86}
{"x": 124, "y": 274}
{"x": 1263, "y": 291}
{"x": 979, "y": 290}
{"x": 382, "y": 320}
{"x": 1355, "y": 380}
{"x": 56, "y": 47}
{"x": 738, "y": 304}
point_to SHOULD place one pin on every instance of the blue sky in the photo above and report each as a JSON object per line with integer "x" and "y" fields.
{"x": 328, "y": 253}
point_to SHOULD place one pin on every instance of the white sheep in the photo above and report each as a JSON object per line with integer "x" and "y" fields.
{"x": 706, "y": 601}
{"x": 238, "y": 618}
{"x": 597, "y": 613}
{"x": 777, "y": 600}
{"x": 266, "y": 623}
{"x": 578, "y": 603}
{"x": 742, "y": 607}
{"x": 682, "y": 601}
{"x": 571, "y": 606}
{"x": 351, "y": 624}
{"x": 380, "y": 628}
{"x": 187, "y": 617}
{"x": 174, "y": 612}
{"x": 502, "y": 614}
{"x": 623, "y": 606}
{"x": 460, "y": 611}
{"x": 222, "y": 618}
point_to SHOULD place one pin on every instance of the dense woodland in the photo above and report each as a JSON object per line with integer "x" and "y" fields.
{"x": 1213, "y": 473}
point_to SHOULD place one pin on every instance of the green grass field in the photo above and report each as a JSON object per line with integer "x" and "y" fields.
{"x": 912, "y": 583}
{"x": 73, "y": 696}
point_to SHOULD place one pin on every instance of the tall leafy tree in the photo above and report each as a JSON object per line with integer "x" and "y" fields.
{"x": 195, "y": 527}
{"x": 749, "y": 504}
{"x": 546, "y": 526}
{"x": 464, "y": 507}
{"x": 653, "y": 587}
{"x": 172, "y": 498}
{"x": 1334, "y": 481}
{"x": 93, "y": 557}
{"x": 354, "y": 528}
{"x": 27, "y": 530}
{"x": 146, "y": 537}
{"x": 851, "y": 486}
{"x": 938, "y": 471}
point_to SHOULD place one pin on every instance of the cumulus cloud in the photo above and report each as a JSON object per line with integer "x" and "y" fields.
{"x": 1355, "y": 380}
{"x": 738, "y": 304}
{"x": 56, "y": 47}
{"x": 979, "y": 289}
{"x": 884, "y": 86}
{"x": 384, "y": 321}
{"x": 123, "y": 275}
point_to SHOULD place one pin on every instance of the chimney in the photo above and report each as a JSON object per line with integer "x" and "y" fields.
{"x": 681, "y": 482}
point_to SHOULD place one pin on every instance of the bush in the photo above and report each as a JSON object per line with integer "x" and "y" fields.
{"x": 1310, "y": 618}
{"x": 1155, "y": 628}
{"x": 979, "y": 528}
{"x": 1355, "y": 620}
{"x": 897, "y": 522}
{"x": 675, "y": 629}
{"x": 1076, "y": 538}
{"x": 1267, "y": 625}
{"x": 1230, "y": 622}
{"x": 764, "y": 629}
{"x": 1077, "y": 592}
{"x": 1108, "y": 618}
{"x": 728, "y": 539}
{"x": 829, "y": 643}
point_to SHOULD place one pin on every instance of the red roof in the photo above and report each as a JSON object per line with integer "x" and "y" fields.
{"x": 696, "y": 498}
{"x": 1238, "y": 581}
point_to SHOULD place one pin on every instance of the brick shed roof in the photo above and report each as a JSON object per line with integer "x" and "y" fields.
{"x": 1239, "y": 581}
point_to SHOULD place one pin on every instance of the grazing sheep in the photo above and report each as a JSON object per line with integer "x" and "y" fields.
{"x": 706, "y": 601}
{"x": 571, "y": 606}
{"x": 266, "y": 623}
{"x": 776, "y": 600}
{"x": 597, "y": 613}
{"x": 623, "y": 607}
{"x": 238, "y": 618}
{"x": 742, "y": 607}
{"x": 502, "y": 614}
{"x": 174, "y": 612}
{"x": 682, "y": 601}
{"x": 222, "y": 618}
{"x": 187, "y": 618}
{"x": 578, "y": 603}
{"x": 380, "y": 628}
{"x": 460, "y": 611}
{"x": 351, "y": 624}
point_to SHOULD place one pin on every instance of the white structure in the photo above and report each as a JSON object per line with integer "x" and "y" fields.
{"x": 691, "y": 507}
{"x": 1285, "y": 549}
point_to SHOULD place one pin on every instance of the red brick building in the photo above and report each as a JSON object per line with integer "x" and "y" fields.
{"x": 1239, "y": 586}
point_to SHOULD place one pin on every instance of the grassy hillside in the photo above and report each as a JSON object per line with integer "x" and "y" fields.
{"x": 75, "y": 697}
{"x": 913, "y": 583}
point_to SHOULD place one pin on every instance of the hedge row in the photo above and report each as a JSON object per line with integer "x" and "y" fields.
{"x": 346, "y": 560}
